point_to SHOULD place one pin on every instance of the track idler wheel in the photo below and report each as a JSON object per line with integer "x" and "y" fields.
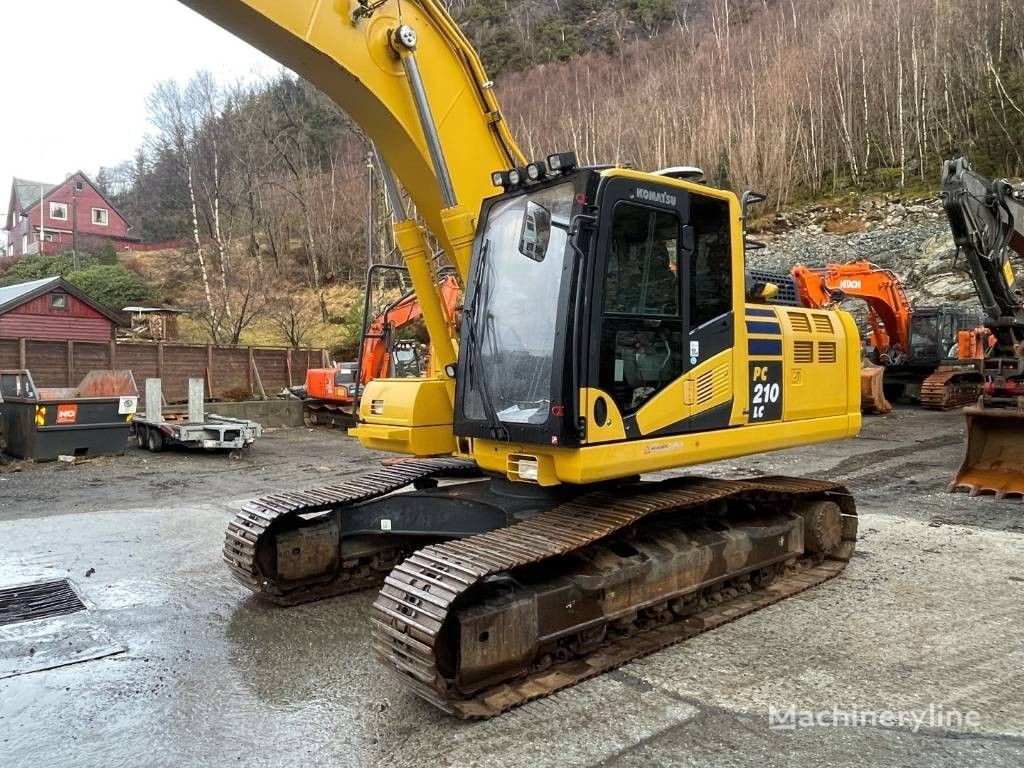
{"x": 823, "y": 527}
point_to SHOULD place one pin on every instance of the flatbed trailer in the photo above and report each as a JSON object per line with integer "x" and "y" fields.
{"x": 194, "y": 430}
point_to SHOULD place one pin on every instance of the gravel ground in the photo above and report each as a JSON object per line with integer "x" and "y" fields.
{"x": 926, "y": 616}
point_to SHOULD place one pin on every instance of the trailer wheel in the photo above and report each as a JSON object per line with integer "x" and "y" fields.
{"x": 154, "y": 440}
{"x": 142, "y": 435}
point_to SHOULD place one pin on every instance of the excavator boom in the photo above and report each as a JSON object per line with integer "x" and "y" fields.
{"x": 352, "y": 52}
{"x": 881, "y": 289}
{"x": 987, "y": 219}
{"x": 912, "y": 347}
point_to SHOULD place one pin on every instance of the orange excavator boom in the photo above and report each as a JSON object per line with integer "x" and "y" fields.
{"x": 890, "y": 310}
{"x": 331, "y": 392}
{"x": 376, "y": 353}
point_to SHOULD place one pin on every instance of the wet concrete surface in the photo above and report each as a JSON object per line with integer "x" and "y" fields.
{"x": 927, "y": 614}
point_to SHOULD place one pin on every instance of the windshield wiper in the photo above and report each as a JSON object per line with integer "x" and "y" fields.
{"x": 477, "y": 377}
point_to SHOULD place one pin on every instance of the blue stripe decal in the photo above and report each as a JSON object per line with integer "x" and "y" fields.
{"x": 766, "y": 328}
{"x": 765, "y": 347}
{"x": 761, "y": 313}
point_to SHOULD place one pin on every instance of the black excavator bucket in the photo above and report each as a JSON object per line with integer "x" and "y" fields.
{"x": 994, "y": 460}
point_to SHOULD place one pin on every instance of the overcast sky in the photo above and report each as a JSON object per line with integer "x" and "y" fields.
{"x": 75, "y": 94}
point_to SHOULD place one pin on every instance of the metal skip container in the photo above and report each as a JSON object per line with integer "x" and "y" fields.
{"x": 91, "y": 419}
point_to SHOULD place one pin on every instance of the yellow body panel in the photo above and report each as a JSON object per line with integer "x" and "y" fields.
{"x": 411, "y": 441}
{"x": 612, "y": 428}
{"x": 821, "y": 402}
{"x": 408, "y": 416}
{"x": 599, "y": 463}
{"x": 707, "y": 386}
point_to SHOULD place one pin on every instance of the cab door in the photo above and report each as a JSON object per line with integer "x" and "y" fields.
{"x": 661, "y": 308}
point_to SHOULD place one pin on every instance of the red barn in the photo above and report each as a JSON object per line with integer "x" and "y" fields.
{"x": 74, "y": 214}
{"x": 53, "y": 308}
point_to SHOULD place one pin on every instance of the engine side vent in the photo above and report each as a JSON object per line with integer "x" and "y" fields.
{"x": 800, "y": 322}
{"x": 712, "y": 384}
{"x": 803, "y": 351}
{"x": 823, "y": 324}
{"x": 827, "y": 352}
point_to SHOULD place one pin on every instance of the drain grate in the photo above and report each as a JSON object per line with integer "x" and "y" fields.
{"x": 38, "y": 601}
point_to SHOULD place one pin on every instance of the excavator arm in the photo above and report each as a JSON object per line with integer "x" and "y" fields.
{"x": 385, "y": 81}
{"x": 437, "y": 124}
{"x": 881, "y": 289}
{"x": 987, "y": 219}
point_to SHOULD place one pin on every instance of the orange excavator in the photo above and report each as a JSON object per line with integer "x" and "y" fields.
{"x": 921, "y": 353}
{"x": 331, "y": 393}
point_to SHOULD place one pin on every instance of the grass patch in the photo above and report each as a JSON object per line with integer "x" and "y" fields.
{"x": 841, "y": 227}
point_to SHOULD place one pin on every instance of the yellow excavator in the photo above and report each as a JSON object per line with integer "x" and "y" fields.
{"x": 609, "y": 331}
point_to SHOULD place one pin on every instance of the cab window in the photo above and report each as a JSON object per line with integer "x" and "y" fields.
{"x": 643, "y": 262}
{"x": 710, "y": 266}
{"x": 642, "y": 324}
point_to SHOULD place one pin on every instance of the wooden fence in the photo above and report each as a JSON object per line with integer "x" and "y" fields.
{"x": 230, "y": 372}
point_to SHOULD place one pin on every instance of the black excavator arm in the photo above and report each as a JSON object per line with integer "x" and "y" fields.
{"x": 987, "y": 218}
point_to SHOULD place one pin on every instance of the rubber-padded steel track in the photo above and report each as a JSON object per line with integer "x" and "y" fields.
{"x": 261, "y": 519}
{"x": 319, "y": 413}
{"x": 420, "y": 593}
{"x": 945, "y": 390}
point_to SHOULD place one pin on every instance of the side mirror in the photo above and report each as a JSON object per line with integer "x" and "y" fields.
{"x": 536, "y": 233}
{"x": 762, "y": 292}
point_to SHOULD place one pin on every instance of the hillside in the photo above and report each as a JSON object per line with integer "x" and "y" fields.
{"x": 518, "y": 34}
{"x": 910, "y": 236}
{"x": 266, "y": 185}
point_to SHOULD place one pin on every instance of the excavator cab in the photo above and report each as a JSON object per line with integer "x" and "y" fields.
{"x": 935, "y": 334}
{"x": 609, "y": 285}
{"x": 607, "y": 307}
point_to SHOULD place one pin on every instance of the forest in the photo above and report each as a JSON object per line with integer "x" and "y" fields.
{"x": 267, "y": 186}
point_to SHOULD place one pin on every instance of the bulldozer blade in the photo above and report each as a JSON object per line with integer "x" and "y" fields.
{"x": 872, "y": 391}
{"x": 994, "y": 456}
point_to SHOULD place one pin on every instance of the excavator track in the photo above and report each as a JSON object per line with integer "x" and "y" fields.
{"x": 948, "y": 389}
{"x": 262, "y": 519}
{"x": 429, "y": 596}
{"x": 317, "y": 413}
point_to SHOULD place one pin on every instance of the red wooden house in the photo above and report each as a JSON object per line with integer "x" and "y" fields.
{"x": 53, "y": 308}
{"x": 75, "y": 214}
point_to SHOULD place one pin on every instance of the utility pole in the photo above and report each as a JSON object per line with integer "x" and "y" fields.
{"x": 370, "y": 234}
{"x": 42, "y": 219}
{"x": 74, "y": 226}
